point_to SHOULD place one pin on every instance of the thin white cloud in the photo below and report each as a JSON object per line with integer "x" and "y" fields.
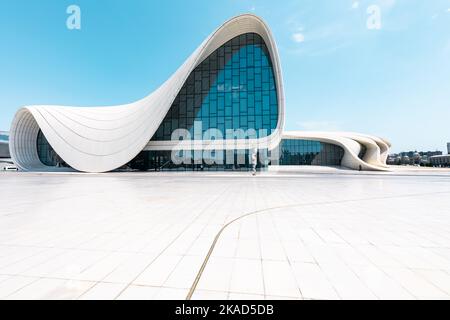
{"x": 355, "y": 5}
{"x": 298, "y": 37}
{"x": 323, "y": 39}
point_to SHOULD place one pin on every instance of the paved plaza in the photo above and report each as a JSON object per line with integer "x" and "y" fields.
{"x": 325, "y": 234}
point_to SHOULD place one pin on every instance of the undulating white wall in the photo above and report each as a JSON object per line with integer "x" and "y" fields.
{"x": 376, "y": 148}
{"x": 101, "y": 139}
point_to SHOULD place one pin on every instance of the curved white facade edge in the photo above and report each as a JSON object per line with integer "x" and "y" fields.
{"x": 101, "y": 139}
{"x": 374, "y": 158}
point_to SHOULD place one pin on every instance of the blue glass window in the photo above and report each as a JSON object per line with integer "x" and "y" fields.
{"x": 307, "y": 152}
{"x": 46, "y": 154}
{"x": 234, "y": 88}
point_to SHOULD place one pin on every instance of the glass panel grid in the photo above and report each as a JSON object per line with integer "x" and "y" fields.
{"x": 46, "y": 154}
{"x": 234, "y": 88}
{"x": 308, "y": 152}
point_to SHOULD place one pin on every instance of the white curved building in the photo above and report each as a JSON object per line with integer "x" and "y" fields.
{"x": 351, "y": 150}
{"x": 227, "y": 99}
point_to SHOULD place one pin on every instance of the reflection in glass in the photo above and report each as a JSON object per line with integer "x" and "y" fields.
{"x": 46, "y": 154}
{"x": 234, "y": 88}
{"x": 307, "y": 152}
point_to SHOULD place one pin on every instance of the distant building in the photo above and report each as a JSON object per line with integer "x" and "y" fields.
{"x": 421, "y": 158}
{"x": 5, "y": 157}
{"x": 440, "y": 161}
{"x": 4, "y": 145}
{"x": 412, "y": 154}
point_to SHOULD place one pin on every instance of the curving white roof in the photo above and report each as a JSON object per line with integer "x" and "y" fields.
{"x": 374, "y": 158}
{"x": 101, "y": 139}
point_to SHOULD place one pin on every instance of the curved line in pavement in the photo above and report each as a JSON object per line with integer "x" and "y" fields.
{"x": 217, "y": 237}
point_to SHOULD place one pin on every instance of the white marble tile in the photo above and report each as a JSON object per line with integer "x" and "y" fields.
{"x": 371, "y": 236}
{"x": 378, "y": 257}
{"x": 297, "y": 252}
{"x": 14, "y": 283}
{"x": 209, "y": 295}
{"x": 102, "y": 268}
{"x": 242, "y": 296}
{"x": 130, "y": 269}
{"x": 272, "y": 250}
{"x": 217, "y": 275}
{"x": 247, "y": 277}
{"x": 350, "y": 255}
{"x": 313, "y": 282}
{"x": 438, "y": 278}
{"x": 279, "y": 280}
{"x": 171, "y": 294}
{"x": 417, "y": 285}
{"x": 103, "y": 291}
{"x": 346, "y": 282}
{"x": 52, "y": 289}
{"x": 18, "y": 267}
{"x": 159, "y": 271}
{"x": 139, "y": 293}
{"x": 380, "y": 284}
{"x": 248, "y": 248}
{"x": 281, "y": 298}
{"x": 225, "y": 248}
{"x": 185, "y": 272}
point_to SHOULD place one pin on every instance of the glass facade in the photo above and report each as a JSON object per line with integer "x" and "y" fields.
{"x": 4, "y": 137}
{"x": 233, "y": 160}
{"x": 307, "y": 152}
{"x": 46, "y": 154}
{"x": 362, "y": 152}
{"x": 4, "y": 145}
{"x": 234, "y": 88}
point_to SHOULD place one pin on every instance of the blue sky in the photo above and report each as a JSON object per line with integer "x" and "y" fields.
{"x": 338, "y": 74}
